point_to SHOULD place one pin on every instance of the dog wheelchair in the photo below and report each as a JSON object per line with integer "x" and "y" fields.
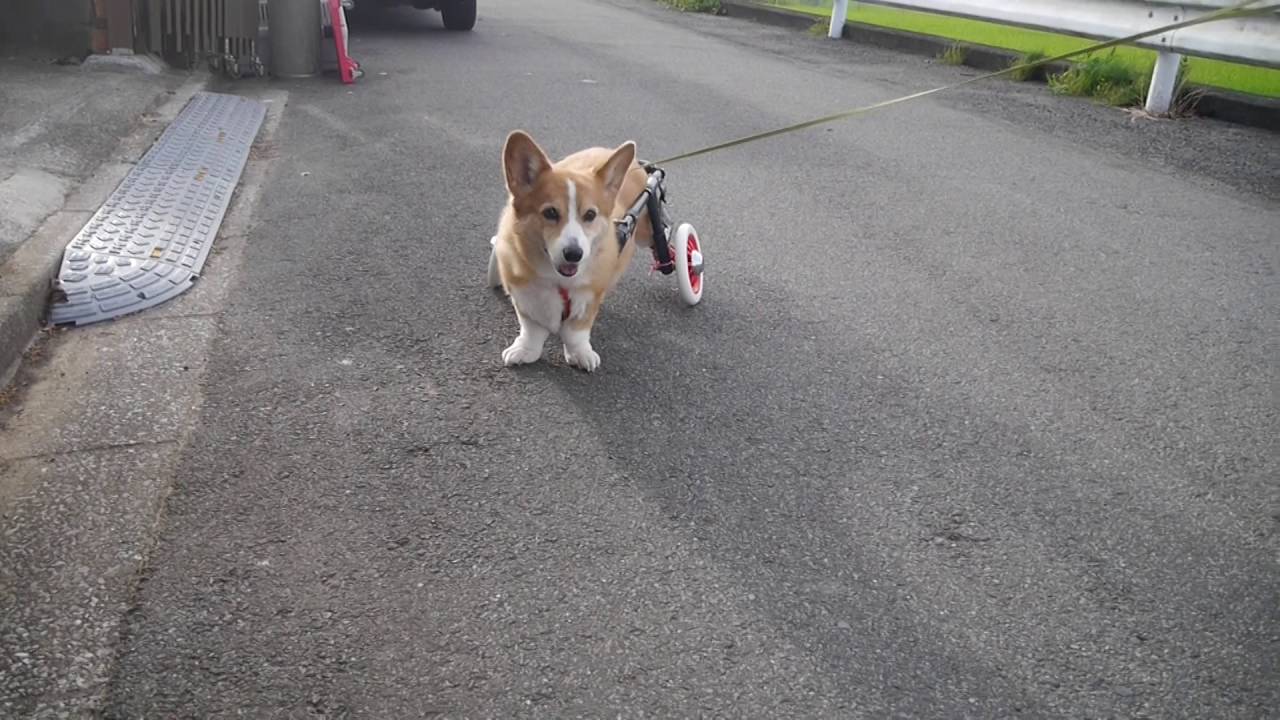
{"x": 678, "y": 252}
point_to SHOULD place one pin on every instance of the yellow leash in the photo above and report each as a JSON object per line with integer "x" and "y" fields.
{"x": 1237, "y": 10}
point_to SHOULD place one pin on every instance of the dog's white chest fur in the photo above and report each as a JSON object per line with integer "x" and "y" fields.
{"x": 543, "y": 303}
{"x": 541, "y": 307}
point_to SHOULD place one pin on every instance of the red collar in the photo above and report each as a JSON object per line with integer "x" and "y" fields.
{"x": 568, "y": 306}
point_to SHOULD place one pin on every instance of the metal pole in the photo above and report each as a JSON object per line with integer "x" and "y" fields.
{"x": 839, "y": 11}
{"x": 295, "y": 29}
{"x": 1163, "y": 81}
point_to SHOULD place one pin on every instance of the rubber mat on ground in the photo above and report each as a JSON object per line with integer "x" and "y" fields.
{"x": 148, "y": 242}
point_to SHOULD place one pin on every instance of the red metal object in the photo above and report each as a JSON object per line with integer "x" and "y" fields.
{"x": 346, "y": 66}
{"x": 98, "y": 37}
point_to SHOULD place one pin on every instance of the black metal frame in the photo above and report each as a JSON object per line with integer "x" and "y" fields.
{"x": 652, "y": 199}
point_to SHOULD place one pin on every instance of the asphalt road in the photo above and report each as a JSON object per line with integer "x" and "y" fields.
{"x": 977, "y": 417}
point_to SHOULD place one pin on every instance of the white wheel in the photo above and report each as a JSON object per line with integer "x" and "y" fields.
{"x": 689, "y": 269}
{"x": 495, "y": 279}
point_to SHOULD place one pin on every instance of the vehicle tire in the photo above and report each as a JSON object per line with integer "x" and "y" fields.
{"x": 459, "y": 15}
{"x": 688, "y": 257}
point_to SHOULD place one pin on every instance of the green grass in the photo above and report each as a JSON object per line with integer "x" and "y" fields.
{"x": 1199, "y": 71}
{"x": 1116, "y": 83}
{"x": 1022, "y": 74}
{"x": 953, "y": 55}
{"x": 1106, "y": 77}
{"x": 705, "y": 6}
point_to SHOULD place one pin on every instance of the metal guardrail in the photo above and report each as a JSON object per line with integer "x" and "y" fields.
{"x": 1253, "y": 40}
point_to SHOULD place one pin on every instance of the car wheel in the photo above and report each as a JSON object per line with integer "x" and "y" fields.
{"x": 459, "y": 14}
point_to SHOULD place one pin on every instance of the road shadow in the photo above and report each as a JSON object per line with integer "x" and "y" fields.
{"x": 374, "y": 21}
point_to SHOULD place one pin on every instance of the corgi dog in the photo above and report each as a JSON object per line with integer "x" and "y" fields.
{"x": 556, "y": 251}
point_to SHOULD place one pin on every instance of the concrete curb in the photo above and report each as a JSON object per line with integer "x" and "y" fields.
{"x": 26, "y": 276}
{"x": 1214, "y": 103}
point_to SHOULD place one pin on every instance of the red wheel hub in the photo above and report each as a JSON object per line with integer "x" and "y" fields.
{"x": 695, "y": 279}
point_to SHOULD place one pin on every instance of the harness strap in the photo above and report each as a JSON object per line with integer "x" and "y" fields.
{"x": 568, "y": 306}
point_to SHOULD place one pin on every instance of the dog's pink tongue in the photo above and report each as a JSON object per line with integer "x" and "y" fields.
{"x": 568, "y": 269}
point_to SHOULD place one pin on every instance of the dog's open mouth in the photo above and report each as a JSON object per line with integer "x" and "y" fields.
{"x": 567, "y": 269}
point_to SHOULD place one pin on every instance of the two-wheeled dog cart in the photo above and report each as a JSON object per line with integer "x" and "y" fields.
{"x": 678, "y": 251}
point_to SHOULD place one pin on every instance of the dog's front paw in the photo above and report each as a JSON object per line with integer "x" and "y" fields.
{"x": 519, "y": 353}
{"x": 585, "y": 358}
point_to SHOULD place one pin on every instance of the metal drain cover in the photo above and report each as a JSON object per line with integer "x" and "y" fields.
{"x": 148, "y": 242}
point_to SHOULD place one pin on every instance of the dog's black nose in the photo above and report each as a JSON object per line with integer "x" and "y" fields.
{"x": 573, "y": 253}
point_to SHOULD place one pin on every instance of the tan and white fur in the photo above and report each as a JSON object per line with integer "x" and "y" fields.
{"x": 557, "y": 231}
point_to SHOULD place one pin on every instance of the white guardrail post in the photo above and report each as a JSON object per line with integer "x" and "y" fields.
{"x": 1251, "y": 40}
{"x": 1164, "y": 80}
{"x": 839, "y": 11}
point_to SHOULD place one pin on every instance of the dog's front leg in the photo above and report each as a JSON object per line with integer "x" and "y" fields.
{"x": 528, "y": 344}
{"x": 576, "y": 334}
{"x": 577, "y": 348}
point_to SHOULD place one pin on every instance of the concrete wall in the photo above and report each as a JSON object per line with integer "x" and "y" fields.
{"x": 55, "y": 28}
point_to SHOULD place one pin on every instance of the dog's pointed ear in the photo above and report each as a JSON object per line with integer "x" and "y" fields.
{"x": 614, "y": 170}
{"x": 524, "y": 162}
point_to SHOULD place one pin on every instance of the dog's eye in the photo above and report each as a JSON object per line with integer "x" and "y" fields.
{"x": 551, "y": 214}
{"x": 589, "y": 216}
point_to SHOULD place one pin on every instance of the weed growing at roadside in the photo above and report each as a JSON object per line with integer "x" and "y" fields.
{"x": 1022, "y": 73}
{"x": 1185, "y": 102}
{"x": 704, "y": 6}
{"x": 954, "y": 55}
{"x": 819, "y": 29}
{"x": 1107, "y": 78}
